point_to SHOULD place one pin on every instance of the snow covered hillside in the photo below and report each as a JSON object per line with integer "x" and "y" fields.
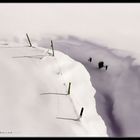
{"x": 33, "y": 94}
{"x": 117, "y": 89}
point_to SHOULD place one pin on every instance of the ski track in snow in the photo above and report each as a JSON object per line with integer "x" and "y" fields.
{"x": 117, "y": 89}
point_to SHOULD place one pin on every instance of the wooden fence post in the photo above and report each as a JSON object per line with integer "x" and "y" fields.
{"x": 81, "y": 112}
{"x": 52, "y": 47}
{"x": 69, "y": 88}
{"x": 29, "y": 40}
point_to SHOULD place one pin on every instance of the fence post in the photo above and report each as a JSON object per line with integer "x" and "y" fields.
{"x": 81, "y": 112}
{"x": 52, "y": 47}
{"x": 69, "y": 88}
{"x": 29, "y": 40}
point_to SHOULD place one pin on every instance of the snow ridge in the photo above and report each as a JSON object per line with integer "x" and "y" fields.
{"x": 33, "y": 88}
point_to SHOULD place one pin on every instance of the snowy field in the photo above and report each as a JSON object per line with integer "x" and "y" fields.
{"x": 104, "y": 31}
{"x": 33, "y": 94}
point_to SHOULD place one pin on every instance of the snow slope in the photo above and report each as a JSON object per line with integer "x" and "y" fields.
{"x": 117, "y": 89}
{"x": 33, "y": 100}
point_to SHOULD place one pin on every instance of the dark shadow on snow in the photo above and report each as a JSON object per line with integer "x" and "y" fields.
{"x": 33, "y": 56}
{"x": 110, "y": 118}
{"x": 71, "y": 119}
{"x": 14, "y": 47}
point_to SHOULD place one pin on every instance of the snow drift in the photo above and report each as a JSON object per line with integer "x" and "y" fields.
{"x": 117, "y": 89}
{"x": 33, "y": 100}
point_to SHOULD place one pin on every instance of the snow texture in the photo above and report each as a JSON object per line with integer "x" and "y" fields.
{"x": 33, "y": 94}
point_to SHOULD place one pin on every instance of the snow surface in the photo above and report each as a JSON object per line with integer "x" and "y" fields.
{"x": 117, "y": 89}
{"x": 33, "y": 100}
